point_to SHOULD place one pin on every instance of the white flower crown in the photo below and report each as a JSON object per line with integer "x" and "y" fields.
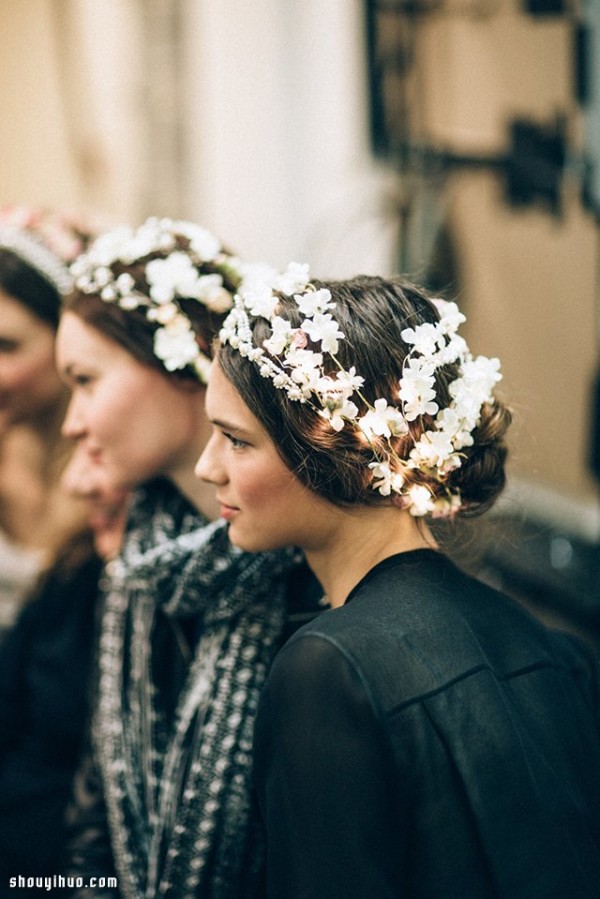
{"x": 285, "y": 358}
{"x": 199, "y": 272}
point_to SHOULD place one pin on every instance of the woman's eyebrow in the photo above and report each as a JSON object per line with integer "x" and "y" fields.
{"x": 228, "y": 426}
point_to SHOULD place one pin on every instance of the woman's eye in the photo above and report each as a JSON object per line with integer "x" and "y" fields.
{"x": 8, "y": 346}
{"x": 81, "y": 380}
{"x": 235, "y": 442}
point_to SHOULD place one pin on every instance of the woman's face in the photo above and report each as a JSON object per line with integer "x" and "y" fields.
{"x": 29, "y": 383}
{"x": 266, "y": 505}
{"x": 106, "y": 505}
{"x": 134, "y": 421}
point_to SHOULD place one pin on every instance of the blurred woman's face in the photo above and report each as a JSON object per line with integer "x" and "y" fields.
{"x": 133, "y": 420}
{"x": 106, "y": 505}
{"x": 29, "y": 383}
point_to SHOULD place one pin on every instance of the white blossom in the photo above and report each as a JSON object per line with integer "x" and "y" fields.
{"x": 420, "y": 500}
{"x": 339, "y": 415}
{"x": 209, "y": 290}
{"x": 323, "y": 328}
{"x": 350, "y": 380}
{"x": 425, "y": 338}
{"x": 383, "y": 421}
{"x": 385, "y": 480}
{"x": 432, "y": 449}
{"x": 260, "y": 300}
{"x": 164, "y": 314}
{"x": 280, "y": 337}
{"x": 174, "y": 276}
{"x": 294, "y": 278}
{"x": 124, "y": 284}
{"x": 175, "y": 344}
{"x": 306, "y": 369}
{"x": 417, "y": 392}
{"x": 450, "y": 315}
{"x": 314, "y": 301}
{"x": 202, "y": 242}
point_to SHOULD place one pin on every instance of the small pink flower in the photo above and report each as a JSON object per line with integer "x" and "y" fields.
{"x": 300, "y": 339}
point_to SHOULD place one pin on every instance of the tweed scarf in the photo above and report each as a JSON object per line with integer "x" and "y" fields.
{"x": 178, "y": 793}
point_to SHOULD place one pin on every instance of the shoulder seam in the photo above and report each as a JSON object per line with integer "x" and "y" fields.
{"x": 377, "y": 711}
{"x": 422, "y": 697}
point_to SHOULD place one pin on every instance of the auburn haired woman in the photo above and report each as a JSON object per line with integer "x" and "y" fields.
{"x": 189, "y": 624}
{"x": 424, "y": 738}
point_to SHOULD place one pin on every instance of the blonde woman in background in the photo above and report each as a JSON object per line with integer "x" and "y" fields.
{"x": 46, "y": 537}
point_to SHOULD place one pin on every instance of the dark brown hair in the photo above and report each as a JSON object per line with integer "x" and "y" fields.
{"x": 22, "y": 281}
{"x": 371, "y": 313}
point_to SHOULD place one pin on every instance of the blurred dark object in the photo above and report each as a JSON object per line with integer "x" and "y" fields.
{"x": 535, "y": 163}
{"x": 581, "y": 63}
{"x": 594, "y": 457}
{"x": 555, "y": 574}
{"x": 559, "y": 571}
{"x": 46, "y": 660}
{"x": 544, "y": 7}
{"x": 587, "y": 87}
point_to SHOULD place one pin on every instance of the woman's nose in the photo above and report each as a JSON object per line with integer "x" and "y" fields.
{"x": 73, "y": 425}
{"x": 208, "y": 467}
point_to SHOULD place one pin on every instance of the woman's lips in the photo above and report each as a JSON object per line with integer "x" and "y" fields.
{"x": 227, "y": 512}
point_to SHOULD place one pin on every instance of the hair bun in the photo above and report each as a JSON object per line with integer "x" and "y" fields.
{"x": 482, "y": 477}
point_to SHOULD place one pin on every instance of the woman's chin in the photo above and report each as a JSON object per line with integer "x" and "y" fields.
{"x": 240, "y": 540}
{"x": 250, "y": 543}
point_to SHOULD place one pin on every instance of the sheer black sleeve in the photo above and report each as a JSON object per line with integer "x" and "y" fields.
{"x": 322, "y": 773}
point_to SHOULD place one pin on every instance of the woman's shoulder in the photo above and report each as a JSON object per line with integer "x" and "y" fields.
{"x": 414, "y": 626}
{"x": 304, "y": 599}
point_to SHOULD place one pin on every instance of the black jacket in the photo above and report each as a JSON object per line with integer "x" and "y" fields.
{"x": 45, "y": 665}
{"x": 430, "y": 740}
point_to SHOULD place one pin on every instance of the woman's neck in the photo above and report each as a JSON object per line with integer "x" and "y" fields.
{"x": 45, "y": 430}
{"x": 199, "y": 493}
{"x": 361, "y": 539}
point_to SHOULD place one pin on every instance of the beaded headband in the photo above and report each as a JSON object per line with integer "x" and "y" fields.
{"x": 287, "y": 361}
{"x": 201, "y": 271}
{"x": 46, "y": 241}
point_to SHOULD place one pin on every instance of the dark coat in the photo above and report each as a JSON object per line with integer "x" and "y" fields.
{"x": 45, "y": 665}
{"x": 430, "y": 740}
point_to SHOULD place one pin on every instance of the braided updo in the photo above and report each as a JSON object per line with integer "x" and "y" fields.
{"x": 371, "y": 312}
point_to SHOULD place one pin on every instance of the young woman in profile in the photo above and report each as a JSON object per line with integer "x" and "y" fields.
{"x": 48, "y": 567}
{"x": 36, "y": 515}
{"x": 189, "y": 624}
{"x": 424, "y": 738}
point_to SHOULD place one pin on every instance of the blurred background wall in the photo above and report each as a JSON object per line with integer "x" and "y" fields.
{"x": 450, "y": 139}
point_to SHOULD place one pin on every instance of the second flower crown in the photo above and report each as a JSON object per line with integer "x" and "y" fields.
{"x": 170, "y": 261}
